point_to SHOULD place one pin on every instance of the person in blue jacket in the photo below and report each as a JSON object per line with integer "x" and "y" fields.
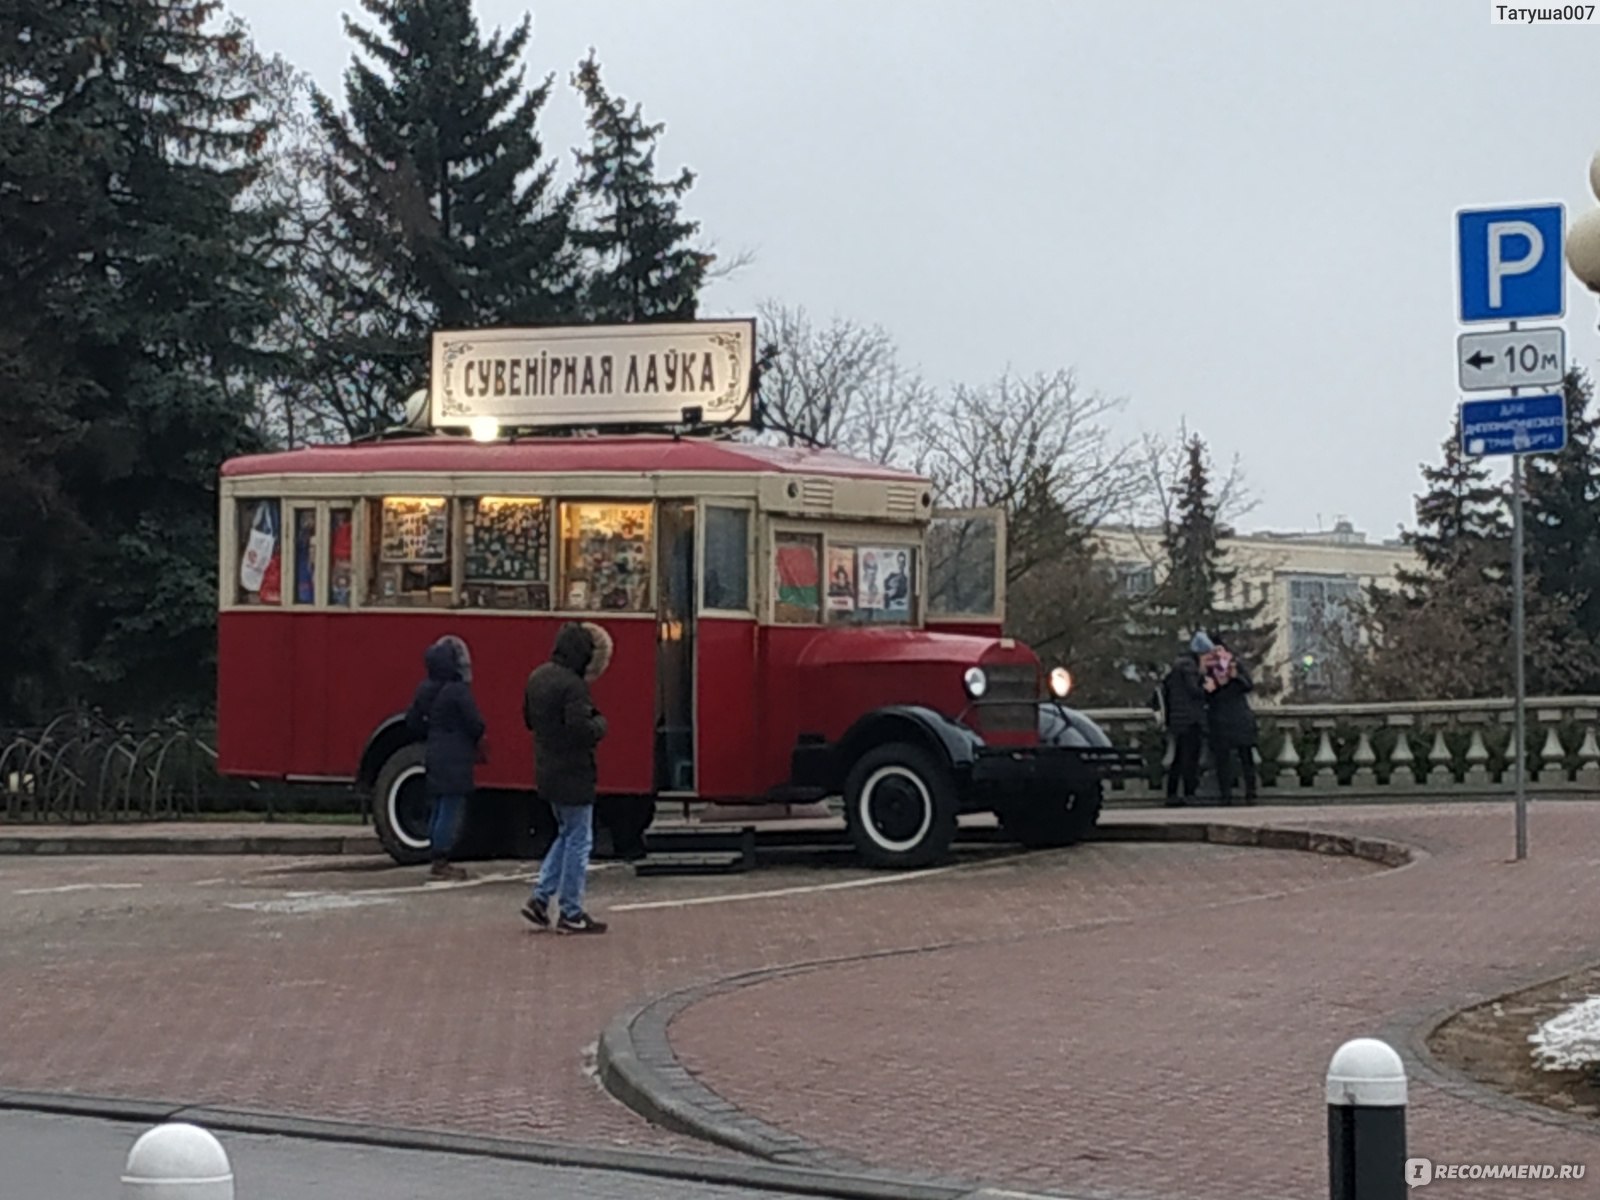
{"x": 444, "y": 712}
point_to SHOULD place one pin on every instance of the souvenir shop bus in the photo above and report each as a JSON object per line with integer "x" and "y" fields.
{"x": 790, "y": 624}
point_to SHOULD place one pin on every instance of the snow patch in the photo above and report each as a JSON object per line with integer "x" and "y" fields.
{"x": 1570, "y": 1040}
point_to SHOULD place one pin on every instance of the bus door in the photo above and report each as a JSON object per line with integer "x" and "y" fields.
{"x": 676, "y": 610}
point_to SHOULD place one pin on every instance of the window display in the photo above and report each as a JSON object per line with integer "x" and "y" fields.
{"x": 605, "y": 557}
{"x": 260, "y": 579}
{"x": 411, "y": 552}
{"x": 871, "y": 584}
{"x": 727, "y": 559}
{"x": 507, "y": 547}
{"x": 305, "y": 555}
{"x": 797, "y": 571}
{"x": 341, "y": 531}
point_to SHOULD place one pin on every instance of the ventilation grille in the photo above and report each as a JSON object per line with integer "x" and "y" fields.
{"x": 816, "y": 493}
{"x": 904, "y": 500}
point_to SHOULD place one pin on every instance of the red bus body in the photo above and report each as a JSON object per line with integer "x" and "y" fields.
{"x": 715, "y": 702}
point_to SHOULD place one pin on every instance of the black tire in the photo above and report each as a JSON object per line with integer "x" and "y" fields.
{"x": 913, "y": 822}
{"x": 400, "y": 806}
{"x": 1050, "y": 826}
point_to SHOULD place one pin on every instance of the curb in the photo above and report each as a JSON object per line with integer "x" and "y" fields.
{"x": 755, "y": 1176}
{"x": 284, "y": 845}
{"x": 638, "y": 1065}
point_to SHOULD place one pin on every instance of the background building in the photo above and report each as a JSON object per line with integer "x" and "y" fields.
{"x": 1306, "y": 580}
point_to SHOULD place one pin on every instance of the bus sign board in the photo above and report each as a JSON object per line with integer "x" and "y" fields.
{"x": 648, "y": 374}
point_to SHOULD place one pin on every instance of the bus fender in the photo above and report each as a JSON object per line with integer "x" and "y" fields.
{"x": 1062, "y": 726}
{"x": 388, "y": 737}
{"x": 954, "y": 744}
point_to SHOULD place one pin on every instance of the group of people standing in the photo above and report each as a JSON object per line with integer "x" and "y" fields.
{"x": 1205, "y": 697}
{"x": 566, "y": 726}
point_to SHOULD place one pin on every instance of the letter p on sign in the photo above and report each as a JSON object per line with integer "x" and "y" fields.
{"x": 1500, "y": 266}
{"x": 1510, "y": 263}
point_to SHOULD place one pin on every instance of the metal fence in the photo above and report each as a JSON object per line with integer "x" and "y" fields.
{"x": 83, "y": 767}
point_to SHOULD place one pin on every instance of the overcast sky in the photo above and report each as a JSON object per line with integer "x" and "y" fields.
{"x": 1238, "y": 213}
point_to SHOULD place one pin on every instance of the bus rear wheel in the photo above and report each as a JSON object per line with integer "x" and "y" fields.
{"x": 400, "y": 806}
{"x": 900, "y": 806}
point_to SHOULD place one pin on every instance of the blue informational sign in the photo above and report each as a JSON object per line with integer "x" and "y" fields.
{"x": 1510, "y": 260}
{"x": 1514, "y": 425}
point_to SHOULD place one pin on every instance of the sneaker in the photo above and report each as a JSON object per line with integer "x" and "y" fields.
{"x": 444, "y": 870}
{"x": 582, "y": 923}
{"x": 537, "y": 913}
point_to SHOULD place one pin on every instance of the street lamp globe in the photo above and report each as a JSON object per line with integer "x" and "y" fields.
{"x": 1594, "y": 174}
{"x": 1583, "y": 248}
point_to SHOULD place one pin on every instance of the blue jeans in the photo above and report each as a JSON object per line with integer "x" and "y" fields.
{"x": 566, "y": 863}
{"x": 445, "y": 825}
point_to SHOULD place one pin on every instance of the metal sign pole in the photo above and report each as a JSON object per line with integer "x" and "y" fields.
{"x": 1519, "y": 723}
{"x": 1519, "y": 702}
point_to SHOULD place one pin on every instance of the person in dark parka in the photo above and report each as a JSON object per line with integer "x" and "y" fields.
{"x": 1184, "y": 700}
{"x": 1233, "y": 723}
{"x": 444, "y": 712}
{"x": 566, "y": 727}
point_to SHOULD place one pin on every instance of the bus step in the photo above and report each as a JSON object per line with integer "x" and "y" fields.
{"x": 730, "y": 862}
{"x": 698, "y": 851}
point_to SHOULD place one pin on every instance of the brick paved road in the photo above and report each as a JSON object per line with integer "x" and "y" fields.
{"x": 1179, "y": 1051}
{"x": 1147, "y": 993}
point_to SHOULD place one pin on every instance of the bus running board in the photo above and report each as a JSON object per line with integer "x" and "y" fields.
{"x": 698, "y": 852}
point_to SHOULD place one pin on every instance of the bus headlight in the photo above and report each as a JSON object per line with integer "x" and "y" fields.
{"x": 1060, "y": 682}
{"x": 977, "y": 683}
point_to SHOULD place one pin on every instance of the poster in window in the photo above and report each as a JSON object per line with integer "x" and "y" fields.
{"x": 799, "y": 584}
{"x": 873, "y": 566}
{"x": 415, "y": 531}
{"x": 508, "y": 541}
{"x": 841, "y": 579}
{"x": 896, "y": 562}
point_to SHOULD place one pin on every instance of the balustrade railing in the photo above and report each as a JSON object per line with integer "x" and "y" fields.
{"x": 1438, "y": 747}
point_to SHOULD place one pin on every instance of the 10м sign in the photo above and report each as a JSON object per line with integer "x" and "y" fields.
{"x": 1522, "y": 425}
{"x": 1488, "y": 362}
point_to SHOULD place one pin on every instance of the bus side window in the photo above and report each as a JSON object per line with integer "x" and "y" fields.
{"x": 797, "y": 578}
{"x": 305, "y": 555}
{"x": 410, "y": 548}
{"x": 727, "y": 559}
{"x": 341, "y": 556}
{"x": 606, "y": 557}
{"x": 871, "y": 585}
{"x": 507, "y": 553}
{"x": 259, "y": 572}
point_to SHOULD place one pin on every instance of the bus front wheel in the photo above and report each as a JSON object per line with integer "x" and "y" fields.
{"x": 400, "y": 806}
{"x": 900, "y": 806}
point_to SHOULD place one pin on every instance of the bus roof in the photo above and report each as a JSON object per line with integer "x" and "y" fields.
{"x": 624, "y": 454}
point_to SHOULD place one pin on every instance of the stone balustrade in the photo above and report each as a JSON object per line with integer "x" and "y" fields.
{"x": 1439, "y": 747}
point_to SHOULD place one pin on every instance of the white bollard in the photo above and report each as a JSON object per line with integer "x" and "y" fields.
{"x": 177, "y": 1161}
{"x": 1366, "y": 1089}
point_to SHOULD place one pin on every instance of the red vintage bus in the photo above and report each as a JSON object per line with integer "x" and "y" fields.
{"x": 789, "y": 624}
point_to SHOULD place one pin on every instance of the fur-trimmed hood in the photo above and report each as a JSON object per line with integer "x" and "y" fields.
{"x": 603, "y": 647}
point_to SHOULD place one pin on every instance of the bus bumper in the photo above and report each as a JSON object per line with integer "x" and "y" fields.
{"x": 1004, "y": 775}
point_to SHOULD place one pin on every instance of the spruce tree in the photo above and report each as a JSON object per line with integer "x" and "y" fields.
{"x": 442, "y": 188}
{"x": 1562, "y": 516}
{"x": 1196, "y": 580}
{"x": 131, "y": 283}
{"x": 641, "y": 263}
{"x": 1445, "y": 631}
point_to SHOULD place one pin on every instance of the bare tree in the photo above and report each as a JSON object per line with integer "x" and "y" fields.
{"x": 841, "y": 385}
{"x": 1039, "y": 448}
